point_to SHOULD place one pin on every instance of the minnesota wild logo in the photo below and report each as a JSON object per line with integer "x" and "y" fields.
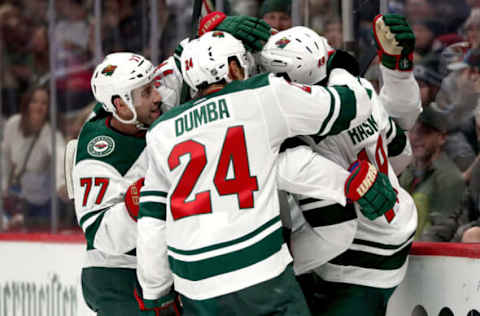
{"x": 218, "y": 34}
{"x": 101, "y": 146}
{"x": 108, "y": 71}
{"x": 281, "y": 43}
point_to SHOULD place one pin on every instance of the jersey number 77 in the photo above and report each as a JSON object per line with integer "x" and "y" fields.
{"x": 243, "y": 184}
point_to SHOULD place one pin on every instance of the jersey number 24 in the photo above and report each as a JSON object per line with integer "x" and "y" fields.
{"x": 243, "y": 184}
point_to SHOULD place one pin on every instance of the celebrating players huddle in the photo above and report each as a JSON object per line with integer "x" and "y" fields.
{"x": 176, "y": 175}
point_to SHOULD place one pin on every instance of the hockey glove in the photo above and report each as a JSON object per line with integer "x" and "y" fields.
{"x": 253, "y": 32}
{"x": 370, "y": 188}
{"x": 395, "y": 41}
{"x": 168, "y": 305}
{"x": 132, "y": 198}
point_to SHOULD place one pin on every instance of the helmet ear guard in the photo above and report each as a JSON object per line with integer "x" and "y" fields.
{"x": 205, "y": 60}
{"x": 299, "y": 52}
{"x": 117, "y": 76}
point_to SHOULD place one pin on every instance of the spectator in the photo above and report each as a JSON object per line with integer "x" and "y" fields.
{"x": 433, "y": 179}
{"x": 35, "y": 12}
{"x": 458, "y": 97}
{"x": 26, "y": 157}
{"x": 16, "y": 57}
{"x": 71, "y": 34}
{"x": 334, "y": 32}
{"x": 277, "y": 13}
{"x": 425, "y": 33}
{"x": 40, "y": 53}
{"x": 417, "y": 10}
{"x": 471, "y": 28}
{"x": 468, "y": 218}
{"x": 321, "y": 11}
{"x": 429, "y": 82}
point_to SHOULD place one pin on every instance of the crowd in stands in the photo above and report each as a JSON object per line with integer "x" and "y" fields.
{"x": 443, "y": 178}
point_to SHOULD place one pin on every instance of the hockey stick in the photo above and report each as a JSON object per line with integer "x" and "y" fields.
{"x": 197, "y": 11}
{"x": 197, "y": 14}
{"x": 366, "y": 60}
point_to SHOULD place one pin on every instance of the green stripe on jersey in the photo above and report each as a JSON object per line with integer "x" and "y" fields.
{"x": 330, "y": 113}
{"x": 348, "y": 109}
{"x": 153, "y": 193}
{"x": 85, "y": 217}
{"x": 210, "y": 267}
{"x": 379, "y": 245}
{"x": 329, "y": 215}
{"x": 153, "y": 209}
{"x": 257, "y": 231}
{"x": 91, "y": 231}
{"x": 234, "y": 86}
{"x": 369, "y": 260}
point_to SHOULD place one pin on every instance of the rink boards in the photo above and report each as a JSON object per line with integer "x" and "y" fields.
{"x": 40, "y": 275}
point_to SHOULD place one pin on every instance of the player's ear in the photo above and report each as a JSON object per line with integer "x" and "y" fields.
{"x": 122, "y": 109}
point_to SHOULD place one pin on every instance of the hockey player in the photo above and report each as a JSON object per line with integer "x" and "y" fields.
{"x": 360, "y": 280}
{"x": 210, "y": 202}
{"x": 109, "y": 162}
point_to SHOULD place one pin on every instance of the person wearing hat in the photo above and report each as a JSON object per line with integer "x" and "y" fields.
{"x": 433, "y": 179}
{"x": 429, "y": 82}
{"x": 277, "y": 13}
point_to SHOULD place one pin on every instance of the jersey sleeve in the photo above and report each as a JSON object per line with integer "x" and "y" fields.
{"x": 153, "y": 269}
{"x": 101, "y": 211}
{"x": 317, "y": 110}
{"x": 400, "y": 95}
{"x": 168, "y": 81}
{"x": 302, "y": 171}
{"x": 329, "y": 228}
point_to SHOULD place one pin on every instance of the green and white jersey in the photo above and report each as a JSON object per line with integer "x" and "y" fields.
{"x": 107, "y": 163}
{"x": 209, "y": 208}
{"x": 361, "y": 251}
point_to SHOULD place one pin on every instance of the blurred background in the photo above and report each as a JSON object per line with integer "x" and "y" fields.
{"x": 49, "y": 49}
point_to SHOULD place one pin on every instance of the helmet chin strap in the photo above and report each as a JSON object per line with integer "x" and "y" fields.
{"x": 132, "y": 121}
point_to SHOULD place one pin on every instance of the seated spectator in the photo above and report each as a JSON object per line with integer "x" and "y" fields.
{"x": 429, "y": 82}
{"x": 277, "y": 13}
{"x": 434, "y": 181}
{"x": 26, "y": 158}
{"x": 459, "y": 97}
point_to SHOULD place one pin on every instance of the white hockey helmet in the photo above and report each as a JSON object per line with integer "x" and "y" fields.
{"x": 205, "y": 59}
{"x": 299, "y": 52}
{"x": 118, "y": 75}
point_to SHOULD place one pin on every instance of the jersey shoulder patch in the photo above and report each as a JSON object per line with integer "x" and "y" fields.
{"x": 99, "y": 142}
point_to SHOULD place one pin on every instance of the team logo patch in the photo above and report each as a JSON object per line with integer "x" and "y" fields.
{"x": 108, "y": 71}
{"x": 218, "y": 34}
{"x": 101, "y": 146}
{"x": 281, "y": 43}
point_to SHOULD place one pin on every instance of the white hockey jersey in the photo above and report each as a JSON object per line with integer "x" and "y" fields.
{"x": 107, "y": 163}
{"x": 376, "y": 251}
{"x": 210, "y": 201}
